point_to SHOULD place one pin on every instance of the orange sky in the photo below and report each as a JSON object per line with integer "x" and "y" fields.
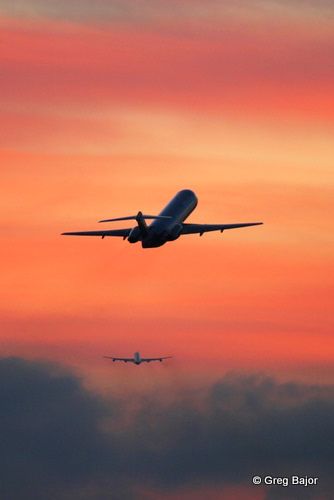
{"x": 101, "y": 119}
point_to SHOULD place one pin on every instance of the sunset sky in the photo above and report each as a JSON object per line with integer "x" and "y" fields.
{"x": 112, "y": 107}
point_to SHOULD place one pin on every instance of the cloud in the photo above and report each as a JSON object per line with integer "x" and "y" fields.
{"x": 240, "y": 68}
{"x": 61, "y": 441}
{"x": 51, "y": 441}
{"x": 150, "y": 11}
{"x": 248, "y": 425}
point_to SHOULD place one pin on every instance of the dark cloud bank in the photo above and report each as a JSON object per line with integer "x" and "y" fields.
{"x": 61, "y": 442}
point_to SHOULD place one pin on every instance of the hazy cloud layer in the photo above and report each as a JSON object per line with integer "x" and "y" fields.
{"x": 53, "y": 445}
{"x": 49, "y": 68}
{"x": 51, "y": 442}
{"x": 161, "y": 10}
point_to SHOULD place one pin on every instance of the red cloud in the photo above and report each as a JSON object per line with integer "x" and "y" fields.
{"x": 238, "y": 69}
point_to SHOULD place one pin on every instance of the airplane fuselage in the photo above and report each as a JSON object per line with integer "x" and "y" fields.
{"x": 169, "y": 229}
{"x": 137, "y": 358}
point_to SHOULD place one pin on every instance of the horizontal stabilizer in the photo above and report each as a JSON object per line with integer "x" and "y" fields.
{"x": 136, "y": 217}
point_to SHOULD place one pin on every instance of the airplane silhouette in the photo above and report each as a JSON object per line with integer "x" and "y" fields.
{"x": 137, "y": 359}
{"x": 167, "y": 226}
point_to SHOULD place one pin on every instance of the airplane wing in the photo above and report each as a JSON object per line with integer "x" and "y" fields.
{"x": 204, "y": 228}
{"x": 126, "y": 360}
{"x": 111, "y": 232}
{"x": 147, "y": 360}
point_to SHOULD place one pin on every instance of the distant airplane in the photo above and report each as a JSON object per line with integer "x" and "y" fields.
{"x": 137, "y": 359}
{"x": 167, "y": 226}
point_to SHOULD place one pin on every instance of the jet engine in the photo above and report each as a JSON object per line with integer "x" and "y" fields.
{"x": 135, "y": 235}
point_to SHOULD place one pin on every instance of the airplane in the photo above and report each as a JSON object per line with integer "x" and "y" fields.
{"x": 137, "y": 359}
{"x": 167, "y": 226}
